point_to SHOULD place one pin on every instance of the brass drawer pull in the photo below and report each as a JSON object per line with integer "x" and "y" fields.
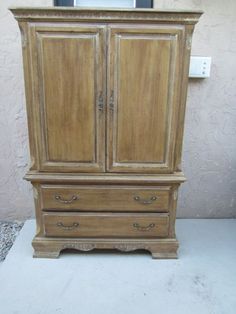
{"x": 71, "y": 227}
{"x": 142, "y": 228}
{"x": 100, "y": 102}
{"x": 145, "y": 201}
{"x": 61, "y": 200}
{"x": 111, "y": 104}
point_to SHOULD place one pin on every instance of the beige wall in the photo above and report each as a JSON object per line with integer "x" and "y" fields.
{"x": 209, "y": 159}
{"x": 210, "y": 133}
{"x": 16, "y": 200}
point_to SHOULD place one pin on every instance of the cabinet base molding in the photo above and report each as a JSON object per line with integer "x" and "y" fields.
{"x": 159, "y": 248}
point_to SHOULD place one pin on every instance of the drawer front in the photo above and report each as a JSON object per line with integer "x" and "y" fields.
{"x": 105, "y": 225}
{"x": 105, "y": 198}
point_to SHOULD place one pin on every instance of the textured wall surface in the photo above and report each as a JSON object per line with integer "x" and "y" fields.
{"x": 209, "y": 156}
{"x": 16, "y": 201}
{"x": 209, "y": 159}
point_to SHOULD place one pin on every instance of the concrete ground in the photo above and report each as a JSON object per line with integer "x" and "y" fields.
{"x": 201, "y": 281}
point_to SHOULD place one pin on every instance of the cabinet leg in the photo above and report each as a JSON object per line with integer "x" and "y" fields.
{"x": 165, "y": 250}
{"x": 46, "y": 254}
{"x": 164, "y": 255}
{"x": 45, "y": 249}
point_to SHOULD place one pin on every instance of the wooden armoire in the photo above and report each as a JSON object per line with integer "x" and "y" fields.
{"x": 106, "y": 92}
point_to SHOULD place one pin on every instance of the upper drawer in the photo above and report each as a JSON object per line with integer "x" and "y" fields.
{"x": 96, "y": 198}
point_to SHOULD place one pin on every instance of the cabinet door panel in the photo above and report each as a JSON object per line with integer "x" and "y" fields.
{"x": 71, "y": 66}
{"x": 143, "y": 97}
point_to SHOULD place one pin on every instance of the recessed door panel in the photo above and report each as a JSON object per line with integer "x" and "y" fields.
{"x": 71, "y": 65}
{"x": 143, "y": 99}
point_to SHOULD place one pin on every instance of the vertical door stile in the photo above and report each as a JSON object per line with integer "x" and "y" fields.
{"x": 110, "y": 107}
{"x": 107, "y": 66}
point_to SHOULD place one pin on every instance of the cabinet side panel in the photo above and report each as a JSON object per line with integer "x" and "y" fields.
{"x": 28, "y": 80}
{"x": 184, "y": 86}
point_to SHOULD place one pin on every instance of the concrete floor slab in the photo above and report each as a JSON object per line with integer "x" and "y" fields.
{"x": 201, "y": 281}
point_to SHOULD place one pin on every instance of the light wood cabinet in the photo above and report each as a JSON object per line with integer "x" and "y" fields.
{"x": 106, "y": 92}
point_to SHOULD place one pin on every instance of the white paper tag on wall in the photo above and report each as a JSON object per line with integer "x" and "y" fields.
{"x": 200, "y": 67}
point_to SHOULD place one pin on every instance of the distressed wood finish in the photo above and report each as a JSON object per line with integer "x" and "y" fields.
{"x": 69, "y": 74}
{"x": 143, "y": 97}
{"x": 104, "y": 198}
{"x": 162, "y": 248}
{"x": 106, "y": 93}
{"x": 106, "y": 178}
{"x": 101, "y": 225}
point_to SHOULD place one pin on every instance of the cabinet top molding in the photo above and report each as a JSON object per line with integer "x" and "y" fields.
{"x": 105, "y": 15}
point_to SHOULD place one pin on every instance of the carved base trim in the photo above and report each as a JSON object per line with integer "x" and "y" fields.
{"x": 51, "y": 247}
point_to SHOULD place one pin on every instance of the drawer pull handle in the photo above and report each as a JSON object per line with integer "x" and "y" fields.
{"x": 61, "y": 200}
{"x": 145, "y": 201}
{"x": 111, "y": 104}
{"x": 100, "y": 102}
{"x": 142, "y": 228}
{"x": 71, "y": 227}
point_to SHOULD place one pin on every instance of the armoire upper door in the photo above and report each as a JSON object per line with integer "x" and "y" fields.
{"x": 143, "y": 97}
{"x": 69, "y": 87}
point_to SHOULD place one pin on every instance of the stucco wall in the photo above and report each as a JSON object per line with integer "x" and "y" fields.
{"x": 209, "y": 157}
{"x": 210, "y": 134}
{"x": 16, "y": 201}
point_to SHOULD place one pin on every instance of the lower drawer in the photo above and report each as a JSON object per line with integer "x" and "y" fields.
{"x": 105, "y": 225}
